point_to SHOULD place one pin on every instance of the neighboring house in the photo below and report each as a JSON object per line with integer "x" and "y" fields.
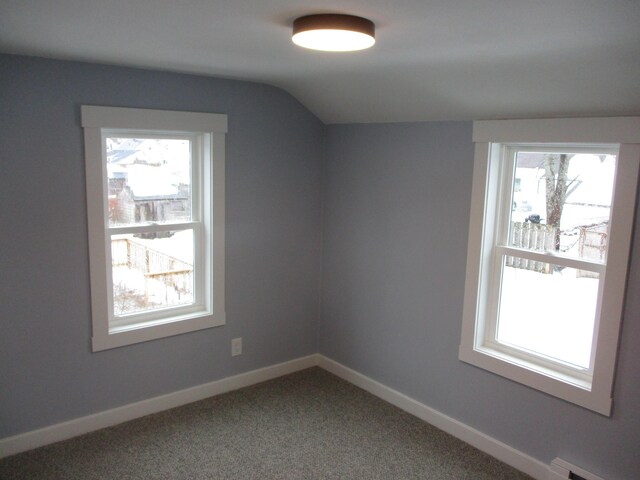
{"x": 144, "y": 185}
{"x": 139, "y": 206}
{"x": 590, "y": 188}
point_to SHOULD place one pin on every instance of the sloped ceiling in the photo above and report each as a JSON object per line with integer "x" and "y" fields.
{"x": 434, "y": 59}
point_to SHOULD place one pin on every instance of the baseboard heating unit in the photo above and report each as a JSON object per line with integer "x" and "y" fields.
{"x": 561, "y": 470}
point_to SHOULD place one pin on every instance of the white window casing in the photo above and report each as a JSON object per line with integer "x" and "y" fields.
{"x": 206, "y": 134}
{"x": 594, "y": 389}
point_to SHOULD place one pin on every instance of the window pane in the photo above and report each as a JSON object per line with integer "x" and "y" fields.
{"x": 562, "y": 202}
{"x": 548, "y": 312}
{"x": 149, "y": 180}
{"x": 152, "y": 271}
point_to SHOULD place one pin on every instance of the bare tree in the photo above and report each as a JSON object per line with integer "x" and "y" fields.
{"x": 127, "y": 300}
{"x": 558, "y": 188}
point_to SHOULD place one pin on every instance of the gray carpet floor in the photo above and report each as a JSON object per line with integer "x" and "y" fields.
{"x": 307, "y": 425}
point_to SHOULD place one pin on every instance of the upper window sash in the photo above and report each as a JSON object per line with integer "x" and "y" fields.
{"x": 506, "y": 156}
{"x": 198, "y": 142}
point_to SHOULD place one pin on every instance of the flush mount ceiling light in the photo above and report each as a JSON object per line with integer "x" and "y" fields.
{"x": 333, "y": 32}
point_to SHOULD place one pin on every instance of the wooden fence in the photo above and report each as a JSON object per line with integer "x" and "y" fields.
{"x": 592, "y": 245}
{"x": 532, "y": 236}
{"x": 153, "y": 264}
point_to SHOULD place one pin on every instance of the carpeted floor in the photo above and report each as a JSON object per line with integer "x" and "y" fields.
{"x": 308, "y": 425}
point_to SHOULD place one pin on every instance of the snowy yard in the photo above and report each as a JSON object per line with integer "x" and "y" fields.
{"x": 552, "y": 314}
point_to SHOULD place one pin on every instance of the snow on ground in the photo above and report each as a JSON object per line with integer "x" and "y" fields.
{"x": 179, "y": 245}
{"x": 552, "y": 314}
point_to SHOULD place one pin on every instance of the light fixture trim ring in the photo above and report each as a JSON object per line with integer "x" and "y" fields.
{"x": 310, "y": 31}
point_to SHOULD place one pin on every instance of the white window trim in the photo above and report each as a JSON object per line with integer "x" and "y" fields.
{"x": 623, "y": 131}
{"x": 98, "y": 120}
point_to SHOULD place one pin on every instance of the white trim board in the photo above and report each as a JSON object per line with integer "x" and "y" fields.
{"x": 80, "y": 426}
{"x": 562, "y": 130}
{"x": 473, "y": 437}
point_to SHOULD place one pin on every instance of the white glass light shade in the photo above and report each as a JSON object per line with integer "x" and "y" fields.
{"x": 333, "y": 32}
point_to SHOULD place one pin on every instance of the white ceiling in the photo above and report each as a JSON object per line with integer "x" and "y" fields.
{"x": 434, "y": 59}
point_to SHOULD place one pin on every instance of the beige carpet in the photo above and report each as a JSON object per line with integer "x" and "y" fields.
{"x": 308, "y": 425}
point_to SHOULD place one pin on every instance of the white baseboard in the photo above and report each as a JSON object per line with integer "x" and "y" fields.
{"x": 479, "y": 440}
{"x": 79, "y": 426}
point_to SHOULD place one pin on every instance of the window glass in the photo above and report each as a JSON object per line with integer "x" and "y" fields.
{"x": 562, "y": 202}
{"x": 548, "y": 312}
{"x": 152, "y": 271}
{"x": 149, "y": 180}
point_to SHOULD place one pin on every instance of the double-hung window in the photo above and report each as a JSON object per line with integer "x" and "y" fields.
{"x": 549, "y": 237}
{"x": 155, "y": 204}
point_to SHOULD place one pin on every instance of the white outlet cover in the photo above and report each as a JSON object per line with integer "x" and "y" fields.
{"x": 236, "y": 347}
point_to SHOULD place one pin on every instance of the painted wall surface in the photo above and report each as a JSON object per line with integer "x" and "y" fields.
{"x": 48, "y": 373}
{"x": 396, "y": 213}
{"x": 395, "y": 202}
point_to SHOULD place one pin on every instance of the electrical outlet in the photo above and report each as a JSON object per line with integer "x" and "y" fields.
{"x": 236, "y": 346}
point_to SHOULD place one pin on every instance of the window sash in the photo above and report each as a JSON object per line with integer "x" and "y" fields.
{"x": 172, "y": 313}
{"x": 198, "y": 148}
{"x": 551, "y": 257}
{"x": 507, "y": 159}
{"x": 117, "y": 322}
{"x": 152, "y": 228}
{"x": 488, "y": 339}
{"x": 505, "y": 156}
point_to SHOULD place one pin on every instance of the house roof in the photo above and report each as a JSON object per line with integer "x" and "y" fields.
{"x": 434, "y": 60}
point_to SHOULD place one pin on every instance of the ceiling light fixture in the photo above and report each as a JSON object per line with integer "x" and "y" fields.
{"x": 333, "y": 32}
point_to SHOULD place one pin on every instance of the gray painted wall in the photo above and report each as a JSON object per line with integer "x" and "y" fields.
{"x": 396, "y": 206}
{"x": 396, "y": 212}
{"x": 274, "y": 151}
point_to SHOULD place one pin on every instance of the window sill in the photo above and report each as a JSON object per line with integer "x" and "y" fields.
{"x": 566, "y": 387}
{"x": 145, "y": 331}
{"x": 522, "y": 363}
